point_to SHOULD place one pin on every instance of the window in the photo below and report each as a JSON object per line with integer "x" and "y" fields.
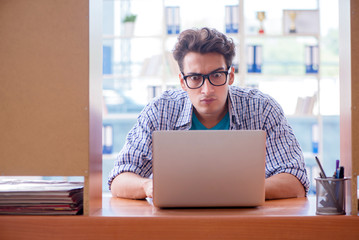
{"x": 139, "y": 66}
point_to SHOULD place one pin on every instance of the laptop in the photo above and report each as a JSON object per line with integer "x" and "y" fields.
{"x": 213, "y": 168}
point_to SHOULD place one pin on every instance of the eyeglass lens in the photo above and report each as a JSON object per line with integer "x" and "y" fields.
{"x": 197, "y": 80}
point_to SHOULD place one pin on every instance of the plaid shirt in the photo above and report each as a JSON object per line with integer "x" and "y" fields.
{"x": 249, "y": 109}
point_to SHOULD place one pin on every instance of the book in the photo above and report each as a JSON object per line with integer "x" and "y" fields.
{"x": 107, "y": 139}
{"x": 173, "y": 20}
{"x": 305, "y": 105}
{"x": 231, "y": 18}
{"x": 107, "y": 60}
{"x": 40, "y": 197}
{"x": 152, "y": 66}
{"x": 311, "y": 59}
{"x": 254, "y": 61}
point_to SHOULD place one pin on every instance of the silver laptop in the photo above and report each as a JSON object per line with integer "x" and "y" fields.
{"x": 223, "y": 168}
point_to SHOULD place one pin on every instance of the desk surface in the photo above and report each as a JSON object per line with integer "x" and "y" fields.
{"x": 130, "y": 219}
{"x": 117, "y": 207}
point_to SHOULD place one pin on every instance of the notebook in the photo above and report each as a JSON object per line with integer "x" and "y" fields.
{"x": 213, "y": 168}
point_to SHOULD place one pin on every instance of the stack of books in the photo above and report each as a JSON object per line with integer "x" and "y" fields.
{"x": 40, "y": 197}
{"x": 305, "y": 105}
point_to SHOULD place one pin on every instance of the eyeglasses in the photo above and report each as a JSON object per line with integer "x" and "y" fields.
{"x": 194, "y": 81}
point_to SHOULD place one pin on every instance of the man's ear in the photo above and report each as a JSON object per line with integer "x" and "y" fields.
{"x": 231, "y": 76}
{"x": 183, "y": 84}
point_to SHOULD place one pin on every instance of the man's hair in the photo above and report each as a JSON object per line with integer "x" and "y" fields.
{"x": 203, "y": 41}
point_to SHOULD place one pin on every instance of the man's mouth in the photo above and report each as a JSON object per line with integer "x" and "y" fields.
{"x": 207, "y": 100}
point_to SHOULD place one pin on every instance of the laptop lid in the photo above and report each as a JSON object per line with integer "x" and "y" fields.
{"x": 218, "y": 168}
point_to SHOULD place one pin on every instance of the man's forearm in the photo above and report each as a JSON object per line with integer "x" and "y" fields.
{"x": 131, "y": 185}
{"x": 283, "y": 185}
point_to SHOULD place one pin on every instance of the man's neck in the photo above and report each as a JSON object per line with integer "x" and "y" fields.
{"x": 210, "y": 120}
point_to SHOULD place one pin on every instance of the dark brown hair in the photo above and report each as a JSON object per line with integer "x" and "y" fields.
{"x": 203, "y": 41}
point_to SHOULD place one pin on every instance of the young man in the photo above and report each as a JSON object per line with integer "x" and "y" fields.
{"x": 208, "y": 101}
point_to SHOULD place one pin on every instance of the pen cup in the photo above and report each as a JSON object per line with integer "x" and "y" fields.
{"x": 330, "y": 196}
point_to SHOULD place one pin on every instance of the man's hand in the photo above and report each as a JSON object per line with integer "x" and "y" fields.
{"x": 148, "y": 188}
{"x": 131, "y": 185}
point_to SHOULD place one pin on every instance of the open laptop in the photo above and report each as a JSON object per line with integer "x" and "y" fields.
{"x": 213, "y": 168}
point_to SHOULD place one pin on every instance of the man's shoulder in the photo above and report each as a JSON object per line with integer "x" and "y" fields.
{"x": 247, "y": 93}
{"x": 250, "y": 98}
{"x": 173, "y": 94}
{"x": 171, "y": 109}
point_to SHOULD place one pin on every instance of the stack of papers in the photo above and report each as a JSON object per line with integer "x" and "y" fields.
{"x": 40, "y": 197}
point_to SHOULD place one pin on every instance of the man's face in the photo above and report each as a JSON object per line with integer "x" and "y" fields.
{"x": 209, "y": 101}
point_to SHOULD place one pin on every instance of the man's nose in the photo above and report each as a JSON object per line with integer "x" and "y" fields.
{"x": 207, "y": 86}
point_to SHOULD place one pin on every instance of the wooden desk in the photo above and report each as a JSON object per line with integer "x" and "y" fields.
{"x": 129, "y": 219}
{"x": 118, "y": 207}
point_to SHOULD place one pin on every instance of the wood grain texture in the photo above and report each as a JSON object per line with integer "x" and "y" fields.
{"x": 354, "y": 29}
{"x": 138, "y": 219}
{"x": 50, "y": 98}
{"x": 217, "y": 227}
{"x": 349, "y": 95}
{"x": 44, "y": 59}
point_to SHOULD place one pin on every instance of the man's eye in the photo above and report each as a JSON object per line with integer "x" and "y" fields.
{"x": 217, "y": 75}
{"x": 195, "y": 77}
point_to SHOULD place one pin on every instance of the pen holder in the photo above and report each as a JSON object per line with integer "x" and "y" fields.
{"x": 330, "y": 196}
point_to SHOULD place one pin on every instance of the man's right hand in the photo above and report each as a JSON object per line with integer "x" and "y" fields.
{"x": 148, "y": 187}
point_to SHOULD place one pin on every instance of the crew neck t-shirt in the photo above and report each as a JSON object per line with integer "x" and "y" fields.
{"x": 222, "y": 125}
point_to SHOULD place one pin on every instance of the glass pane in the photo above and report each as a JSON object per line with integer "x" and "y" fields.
{"x": 140, "y": 66}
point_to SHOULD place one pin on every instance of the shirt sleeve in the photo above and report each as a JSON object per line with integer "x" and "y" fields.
{"x": 136, "y": 154}
{"x": 284, "y": 154}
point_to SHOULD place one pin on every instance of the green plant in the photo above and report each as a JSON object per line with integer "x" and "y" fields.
{"x": 130, "y": 18}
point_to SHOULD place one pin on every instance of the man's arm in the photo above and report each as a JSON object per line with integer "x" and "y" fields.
{"x": 283, "y": 185}
{"x": 131, "y": 185}
{"x": 285, "y": 166}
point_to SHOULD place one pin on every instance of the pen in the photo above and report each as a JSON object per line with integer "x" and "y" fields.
{"x": 326, "y": 185}
{"x": 341, "y": 172}
{"x": 322, "y": 173}
{"x": 336, "y": 171}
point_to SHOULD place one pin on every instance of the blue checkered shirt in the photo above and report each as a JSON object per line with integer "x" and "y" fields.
{"x": 249, "y": 109}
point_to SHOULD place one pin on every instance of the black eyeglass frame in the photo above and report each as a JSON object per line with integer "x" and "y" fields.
{"x": 206, "y": 76}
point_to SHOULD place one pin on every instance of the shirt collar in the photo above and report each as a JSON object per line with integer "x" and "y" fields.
{"x": 184, "y": 120}
{"x": 233, "y": 113}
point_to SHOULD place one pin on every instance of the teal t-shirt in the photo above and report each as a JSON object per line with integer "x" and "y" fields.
{"x": 222, "y": 125}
